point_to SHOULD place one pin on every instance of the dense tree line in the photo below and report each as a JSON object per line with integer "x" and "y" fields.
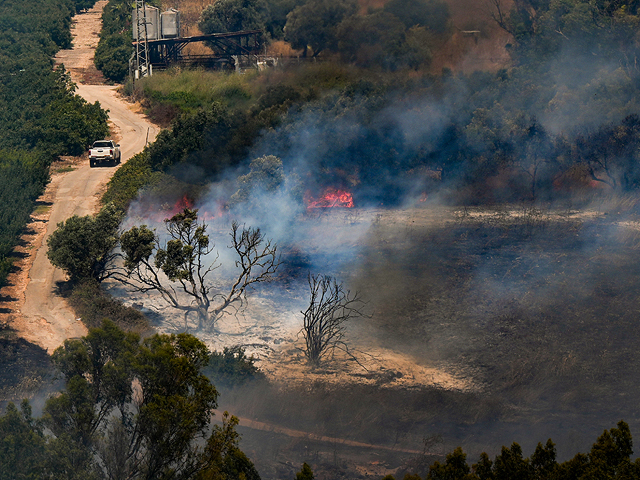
{"x": 609, "y": 458}
{"x": 401, "y": 34}
{"x": 40, "y": 116}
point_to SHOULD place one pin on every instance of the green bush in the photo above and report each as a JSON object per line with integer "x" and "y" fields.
{"x": 93, "y": 307}
{"x": 112, "y": 56}
{"x": 128, "y": 180}
{"x": 232, "y": 367}
{"x": 23, "y": 177}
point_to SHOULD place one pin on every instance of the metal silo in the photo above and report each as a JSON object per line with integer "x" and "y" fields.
{"x": 151, "y": 18}
{"x": 170, "y": 23}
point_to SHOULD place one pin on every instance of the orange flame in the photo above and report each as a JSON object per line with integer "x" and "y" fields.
{"x": 331, "y": 198}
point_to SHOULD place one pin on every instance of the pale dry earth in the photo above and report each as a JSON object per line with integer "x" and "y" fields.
{"x": 34, "y": 308}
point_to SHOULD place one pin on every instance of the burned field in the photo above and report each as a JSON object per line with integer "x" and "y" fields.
{"x": 540, "y": 308}
{"x": 486, "y": 326}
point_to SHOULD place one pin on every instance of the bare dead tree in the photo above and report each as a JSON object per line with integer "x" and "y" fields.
{"x": 499, "y": 15}
{"x": 184, "y": 263}
{"x": 324, "y": 323}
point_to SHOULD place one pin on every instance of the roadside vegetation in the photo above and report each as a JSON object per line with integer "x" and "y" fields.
{"x": 40, "y": 116}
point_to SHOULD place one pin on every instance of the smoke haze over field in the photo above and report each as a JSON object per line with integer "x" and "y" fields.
{"x": 488, "y": 324}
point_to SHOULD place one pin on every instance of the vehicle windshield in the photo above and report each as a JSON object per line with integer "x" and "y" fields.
{"x": 102, "y": 144}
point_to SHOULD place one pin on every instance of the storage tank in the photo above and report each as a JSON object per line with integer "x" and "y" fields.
{"x": 151, "y": 18}
{"x": 170, "y": 23}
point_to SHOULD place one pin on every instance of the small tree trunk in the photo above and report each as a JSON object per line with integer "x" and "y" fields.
{"x": 203, "y": 318}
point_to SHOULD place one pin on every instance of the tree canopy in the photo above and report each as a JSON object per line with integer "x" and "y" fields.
{"x": 234, "y": 16}
{"x": 315, "y": 24}
{"x": 131, "y": 408}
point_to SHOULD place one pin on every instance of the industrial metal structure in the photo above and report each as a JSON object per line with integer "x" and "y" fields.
{"x": 235, "y": 48}
{"x": 142, "y": 20}
{"x": 158, "y": 44}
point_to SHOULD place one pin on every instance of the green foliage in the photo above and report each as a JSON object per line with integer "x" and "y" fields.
{"x": 234, "y": 16}
{"x": 609, "y": 458}
{"x": 183, "y": 261}
{"x": 315, "y": 24}
{"x": 192, "y": 138}
{"x": 84, "y": 4}
{"x": 265, "y": 175}
{"x": 93, "y": 306}
{"x": 23, "y": 177}
{"x": 116, "y": 37}
{"x": 381, "y": 40}
{"x": 278, "y": 11}
{"x": 454, "y": 468}
{"x": 430, "y": 14}
{"x": 112, "y": 56}
{"x": 22, "y": 449}
{"x": 82, "y": 246}
{"x": 100, "y": 426}
{"x": 232, "y": 367}
{"x": 126, "y": 182}
{"x": 305, "y": 473}
{"x": 40, "y": 116}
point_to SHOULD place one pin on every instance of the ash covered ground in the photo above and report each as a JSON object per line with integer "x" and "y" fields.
{"x": 488, "y": 326}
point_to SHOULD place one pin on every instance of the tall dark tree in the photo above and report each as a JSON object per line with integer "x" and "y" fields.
{"x": 315, "y": 24}
{"x": 139, "y": 410}
{"x": 234, "y": 16}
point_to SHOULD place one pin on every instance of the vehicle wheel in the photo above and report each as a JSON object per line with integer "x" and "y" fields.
{"x": 92, "y": 163}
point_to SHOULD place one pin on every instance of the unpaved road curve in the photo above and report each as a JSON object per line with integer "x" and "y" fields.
{"x": 45, "y": 318}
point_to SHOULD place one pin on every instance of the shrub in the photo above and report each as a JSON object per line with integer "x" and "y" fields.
{"x": 232, "y": 367}
{"x": 93, "y": 307}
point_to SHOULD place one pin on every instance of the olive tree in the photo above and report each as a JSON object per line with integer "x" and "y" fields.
{"x": 179, "y": 269}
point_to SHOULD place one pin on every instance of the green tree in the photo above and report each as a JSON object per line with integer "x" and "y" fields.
{"x": 315, "y": 24}
{"x": 369, "y": 40}
{"x": 183, "y": 262}
{"x": 234, "y": 16}
{"x": 610, "y": 456}
{"x": 510, "y": 464}
{"x": 454, "y": 468}
{"x": 83, "y": 246}
{"x": 232, "y": 367}
{"x": 278, "y": 11}
{"x": 112, "y": 56}
{"x": 139, "y": 410}
{"x": 543, "y": 461}
{"x": 611, "y": 154}
{"x": 22, "y": 444}
{"x": 305, "y": 472}
{"x": 84, "y": 4}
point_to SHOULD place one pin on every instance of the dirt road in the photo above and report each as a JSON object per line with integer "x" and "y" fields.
{"x": 37, "y": 312}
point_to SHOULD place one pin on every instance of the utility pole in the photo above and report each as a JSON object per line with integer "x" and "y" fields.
{"x": 142, "y": 65}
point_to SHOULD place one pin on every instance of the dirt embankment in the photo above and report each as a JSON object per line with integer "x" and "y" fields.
{"x": 31, "y": 304}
